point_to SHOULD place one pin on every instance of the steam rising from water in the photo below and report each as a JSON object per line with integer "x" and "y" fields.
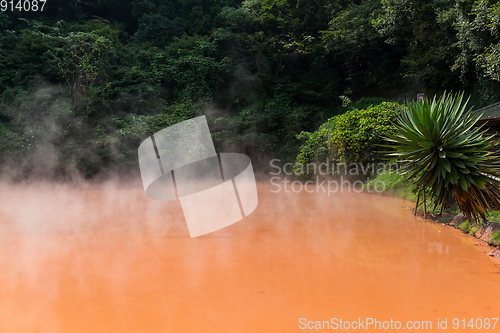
{"x": 106, "y": 258}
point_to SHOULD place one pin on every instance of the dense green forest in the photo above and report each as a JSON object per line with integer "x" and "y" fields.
{"x": 84, "y": 82}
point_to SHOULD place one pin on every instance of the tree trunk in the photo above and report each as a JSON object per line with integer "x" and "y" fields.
{"x": 425, "y": 207}
{"x": 416, "y": 206}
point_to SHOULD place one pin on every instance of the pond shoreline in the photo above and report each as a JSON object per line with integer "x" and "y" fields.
{"x": 483, "y": 235}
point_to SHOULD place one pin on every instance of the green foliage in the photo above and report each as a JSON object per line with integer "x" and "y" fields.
{"x": 477, "y": 28}
{"x": 355, "y": 43}
{"x": 157, "y": 30}
{"x": 293, "y": 16}
{"x": 141, "y": 126}
{"x": 442, "y": 151}
{"x": 355, "y": 134}
{"x": 269, "y": 126}
{"x": 84, "y": 67}
{"x": 195, "y": 17}
{"x": 393, "y": 184}
{"x": 314, "y": 147}
{"x": 351, "y": 137}
{"x": 493, "y": 216}
{"x": 489, "y": 61}
{"x": 465, "y": 227}
{"x": 495, "y": 239}
{"x": 425, "y": 31}
{"x": 191, "y": 77}
{"x": 262, "y": 71}
{"x": 474, "y": 230}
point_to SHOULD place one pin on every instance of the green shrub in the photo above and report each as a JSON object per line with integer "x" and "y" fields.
{"x": 493, "y": 216}
{"x": 351, "y": 137}
{"x": 495, "y": 239}
{"x": 314, "y": 147}
{"x": 445, "y": 219}
{"x": 465, "y": 226}
{"x": 355, "y": 134}
{"x": 157, "y": 29}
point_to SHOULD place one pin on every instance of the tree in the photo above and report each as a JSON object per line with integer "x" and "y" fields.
{"x": 478, "y": 27}
{"x": 425, "y": 29}
{"x": 367, "y": 61}
{"x": 445, "y": 154}
{"x": 157, "y": 30}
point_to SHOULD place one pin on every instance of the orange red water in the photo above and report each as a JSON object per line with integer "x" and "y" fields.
{"x": 111, "y": 260}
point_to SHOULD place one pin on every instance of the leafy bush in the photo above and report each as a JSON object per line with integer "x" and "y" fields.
{"x": 314, "y": 147}
{"x": 157, "y": 29}
{"x": 355, "y": 134}
{"x": 465, "y": 226}
{"x": 493, "y": 216}
{"x": 474, "y": 230}
{"x": 495, "y": 239}
{"x": 351, "y": 137}
{"x": 192, "y": 77}
{"x": 269, "y": 126}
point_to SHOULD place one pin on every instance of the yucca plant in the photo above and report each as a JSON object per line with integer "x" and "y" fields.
{"x": 445, "y": 154}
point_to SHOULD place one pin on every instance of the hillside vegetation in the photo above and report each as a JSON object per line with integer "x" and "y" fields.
{"x": 84, "y": 82}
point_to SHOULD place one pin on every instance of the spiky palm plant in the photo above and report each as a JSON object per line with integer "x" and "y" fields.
{"x": 444, "y": 153}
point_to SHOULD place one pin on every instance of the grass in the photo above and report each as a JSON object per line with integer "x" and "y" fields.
{"x": 495, "y": 239}
{"x": 445, "y": 219}
{"x": 493, "y": 216}
{"x": 465, "y": 227}
{"x": 455, "y": 210}
{"x": 394, "y": 186}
